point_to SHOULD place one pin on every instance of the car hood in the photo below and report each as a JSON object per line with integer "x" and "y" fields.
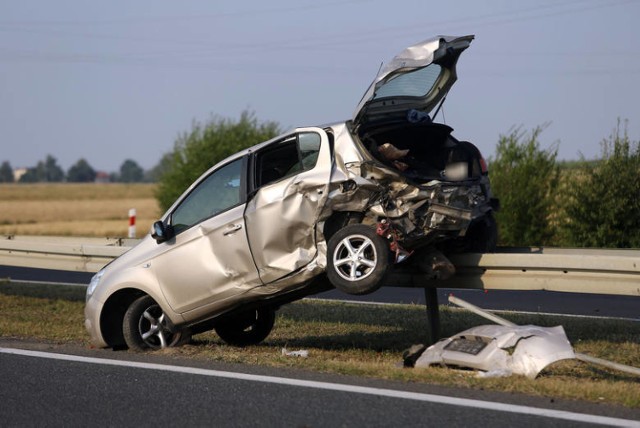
{"x": 418, "y": 78}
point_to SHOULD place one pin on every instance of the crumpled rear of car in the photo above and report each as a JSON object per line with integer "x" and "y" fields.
{"x": 426, "y": 203}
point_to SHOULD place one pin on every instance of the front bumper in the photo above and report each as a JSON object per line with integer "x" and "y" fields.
{"x": 92, "y": 310}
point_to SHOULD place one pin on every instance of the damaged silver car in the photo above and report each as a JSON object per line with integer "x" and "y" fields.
{"x": 341, "y": 205}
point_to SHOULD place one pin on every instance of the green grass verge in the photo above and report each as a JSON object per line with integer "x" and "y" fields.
{"x": 361, "y": 340}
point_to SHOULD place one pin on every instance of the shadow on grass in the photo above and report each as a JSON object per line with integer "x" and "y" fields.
{"x": 339, "y": 326}
{"x": 43, "y": 291}
{"x": 379, "y": 342}
{"x": 395, "y": 326}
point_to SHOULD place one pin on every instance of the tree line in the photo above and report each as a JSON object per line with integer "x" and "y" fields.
{"x": 48, "y": 171}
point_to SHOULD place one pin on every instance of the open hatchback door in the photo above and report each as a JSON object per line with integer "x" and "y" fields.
{"x": 416, "y": 79}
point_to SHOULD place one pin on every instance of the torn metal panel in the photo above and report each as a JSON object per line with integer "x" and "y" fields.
{"x": 420, "y": 211}
{"x": 353, "y": 195}
{"x": 346, "y": 150}
{"x": 381, "y": 192}
{"x": 523, "y": 350}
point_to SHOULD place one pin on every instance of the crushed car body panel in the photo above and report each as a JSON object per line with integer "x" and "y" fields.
{"x": 206, "y": 264}
{"x": 282, "y": 216}
{"x": 523, "y": 350}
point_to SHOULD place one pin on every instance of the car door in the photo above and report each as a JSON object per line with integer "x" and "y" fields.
{"x": 209, "y": 259}
{"x": 290, "y": 182}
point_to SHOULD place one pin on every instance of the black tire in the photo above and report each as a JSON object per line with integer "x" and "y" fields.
{"x": 358, "y": 259}
{"x": 249, "y": 328}
{"x": 145, "y": 327}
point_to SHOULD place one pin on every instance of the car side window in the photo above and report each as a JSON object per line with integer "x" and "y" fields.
{"x": 217, "y": 193}
{"x": 286, "y": 158}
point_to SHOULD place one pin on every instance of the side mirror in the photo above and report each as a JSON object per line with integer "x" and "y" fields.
{"x": 161, "y": 233}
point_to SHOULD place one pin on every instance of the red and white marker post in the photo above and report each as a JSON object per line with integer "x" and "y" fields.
{"x": 132, "y": 223}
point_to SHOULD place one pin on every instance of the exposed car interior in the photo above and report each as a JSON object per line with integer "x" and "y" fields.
{"x": 430, "y": 151}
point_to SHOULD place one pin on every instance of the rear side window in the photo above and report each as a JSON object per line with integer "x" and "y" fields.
{"x": 286, "y": 158}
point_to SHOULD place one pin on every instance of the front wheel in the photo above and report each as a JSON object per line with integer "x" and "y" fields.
{"x": 358, "y": 259}
{"x": 249, "y": 328}
{"x": 145, "y": 327}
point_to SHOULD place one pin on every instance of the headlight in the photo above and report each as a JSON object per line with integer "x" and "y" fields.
{"x": 94, "y": 283}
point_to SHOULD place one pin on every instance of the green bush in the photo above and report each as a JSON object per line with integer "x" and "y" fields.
{"x": 6, "y": 172}
{"x": 525, "y": 179}
{"x": 204, "y": 146}
{"x": 81, "y": 172}
{"x": 602, "y": 202}
{"x": 130, "y": 172}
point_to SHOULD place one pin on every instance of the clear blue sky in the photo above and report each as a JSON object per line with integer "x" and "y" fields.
{"x": 112, "y": 80}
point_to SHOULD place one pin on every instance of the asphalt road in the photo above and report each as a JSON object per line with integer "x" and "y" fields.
{"x": 523, "y": 301}
{"x": 37, "y": 391}
{"x": 526, "y": 301}
{"x": 95, "y": 389}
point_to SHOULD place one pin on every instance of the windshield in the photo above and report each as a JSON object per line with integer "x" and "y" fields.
{"x": 416, "y": 83}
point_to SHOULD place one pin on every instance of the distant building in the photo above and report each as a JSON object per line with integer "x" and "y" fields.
{"x": 18, "y": 173}
{"x": 102, "y": 177}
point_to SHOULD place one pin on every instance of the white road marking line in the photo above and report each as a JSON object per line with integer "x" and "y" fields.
{"x": 440, "y": 399}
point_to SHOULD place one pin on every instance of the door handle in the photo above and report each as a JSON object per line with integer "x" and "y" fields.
{"x": 232, "y": 229}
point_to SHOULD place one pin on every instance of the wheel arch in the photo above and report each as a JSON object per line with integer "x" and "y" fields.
{"x": 113, "y": 313}
{"x": 114, "y": 308}
{"x": 339, "y": 219}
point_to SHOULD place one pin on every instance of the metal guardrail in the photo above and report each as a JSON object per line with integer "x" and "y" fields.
{"x": 573, "y": 270}
{"x": 597, "y": 271}
{"x": 62, "y": 253}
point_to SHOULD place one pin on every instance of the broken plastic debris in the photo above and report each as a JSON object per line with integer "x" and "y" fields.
{"x": 502, "y": 350}
{"x": 412, "y": 354}
{"x": 301, "y": 353}
{"x": 579, "y": 356}
{"x": 524, "y": 350}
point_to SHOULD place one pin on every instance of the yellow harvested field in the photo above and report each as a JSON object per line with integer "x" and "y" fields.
{"x": 75, "y": 191}
{"x": 66, "y": 209}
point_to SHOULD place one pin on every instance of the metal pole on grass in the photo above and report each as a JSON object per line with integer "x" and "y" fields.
{"x": 433, "y": 314}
